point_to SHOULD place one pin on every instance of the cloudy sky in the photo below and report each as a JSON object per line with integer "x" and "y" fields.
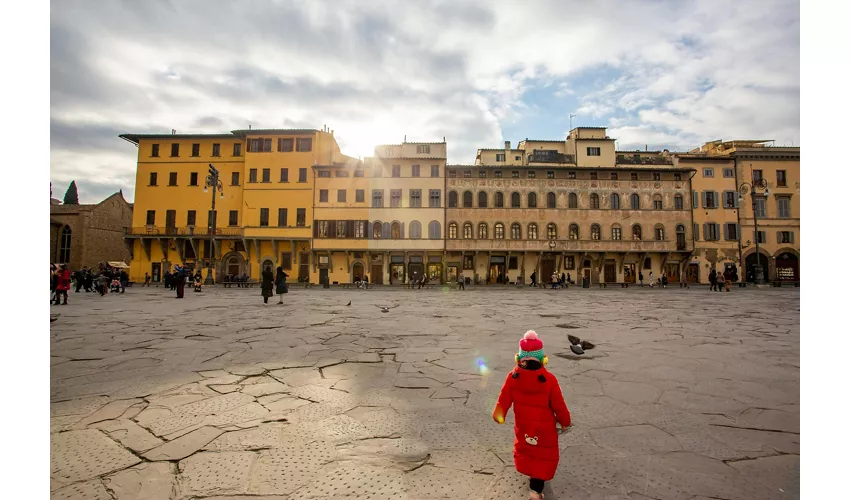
{"x": 663, "y": 73}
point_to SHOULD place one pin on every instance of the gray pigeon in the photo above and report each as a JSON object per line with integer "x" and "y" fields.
{"x": 349, "y": 303}
{"x": 576, "y": 348}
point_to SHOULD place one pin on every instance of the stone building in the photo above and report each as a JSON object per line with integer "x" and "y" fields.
{"x": 86, "y": 235}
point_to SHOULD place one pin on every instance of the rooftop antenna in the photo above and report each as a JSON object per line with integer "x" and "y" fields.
{"x": 405, "y": 137}
{"x": 571, "y": 121}
{"x": 249, "y": 126}
{"x": 173, "y": 132}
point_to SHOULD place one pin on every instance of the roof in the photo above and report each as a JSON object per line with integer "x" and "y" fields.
{"x": 274, "y": 131}
{"x": 70, "y": 209}
{"x": 410, "y": 157}
{"x": 501, "y": 149}
{"x": 135, "y": 138}
{"x": 568, "y": 166}
{"x": 542, "y": 140}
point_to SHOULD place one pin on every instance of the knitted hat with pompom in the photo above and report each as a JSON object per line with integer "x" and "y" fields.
{"x": 531, "y": 347}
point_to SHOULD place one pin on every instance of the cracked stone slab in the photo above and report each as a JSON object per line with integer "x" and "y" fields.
{"x": 350, "y": 480}
{"x": 403, "y": 453}
{"x": 434, "y": 482}
{"x": 263, "y": 436}
{"x": 184, "y": 445}
{"x": 265, "y": 389}
{"x": 633, "y": 393}
{"x": 144, "y": 481}
{"x": 215, "y": 473}
{"x": 81, "y": 455}
{"x": 225, "y": 389}
{"x": 285, "y": 404}
{"x": 283, "y": 470}
{"x": 89, "y": 490}
{"x": 635, "y": 439}
{"x": 129, "y": 434}
{"x": 81, "y": 406}
{"x": 110, "y": 411}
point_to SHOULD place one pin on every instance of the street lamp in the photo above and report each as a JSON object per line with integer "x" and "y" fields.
{"x": 743, "y": 189}
{"x": 213, "y": 182}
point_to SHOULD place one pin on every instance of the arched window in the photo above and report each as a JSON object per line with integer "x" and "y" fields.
{"x": 574, "y": 231}
{"x": 467, "y": 199}
{"x": 616, "y": 232}
{"x": 434, "y": 230}
{"x": 532, "y": 200}
{"x": 594, "y": 200}
{"x": 453, "y": 230}
{"x": 635, "y": 201}
{"x": 552, "y": 231}
{"x": 467, "y": 230}
{"x": 65, "y": 246}
{"x": 415, "y": 230}
{"x": 452, "y": 199}
{"x": 482, "y": 231}
{"x": 659, "y": 232}
{"x": 500, "y": 200}
{"x": 395, "y": 231}
{"x": 515, "y": 200}
{"x": 657, "y": 203}
{"x": 516, "y": 231}
{"x": 680, "y": 229}
{"x": 499, "y": 231}
{"x": 377, "y": 230}
{"x": 573, "y": 200}
{"x": 680, "y": 237}
{"x": 678, "y": 202}
{"x": 595, "y": 232}
{"x": 551, "y": 201}
{"x": 532, "y": 231}
{"x": 637, "y": 232}
{"x": 482, "y": 199}
{"x": 615, "y": 201}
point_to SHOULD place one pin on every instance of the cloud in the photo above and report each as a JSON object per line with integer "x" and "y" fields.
{"x": 655, "y": 70}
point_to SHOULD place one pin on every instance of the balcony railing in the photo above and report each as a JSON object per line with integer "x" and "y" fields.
{"x": 182, "y": 232}
{"x": 562, "y": 245}
{"x": 539, "y": 157}
{"x": 644, "y": 160}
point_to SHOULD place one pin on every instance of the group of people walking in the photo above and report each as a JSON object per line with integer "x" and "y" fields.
{"x": 104, "y": 280}
{"x": 274, "y": 283}
{"x": 723, "y": 281}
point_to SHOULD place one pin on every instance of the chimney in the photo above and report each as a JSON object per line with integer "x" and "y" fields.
{"x": 646, "y": 147}
{"x": 173, "y": 132}
{"x": 332, "y": 133}
{"x": 405, "y": 137}
{"x": 507, "y": 145}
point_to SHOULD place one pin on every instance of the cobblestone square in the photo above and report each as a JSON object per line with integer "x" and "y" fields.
{"x": 688, "y": 394}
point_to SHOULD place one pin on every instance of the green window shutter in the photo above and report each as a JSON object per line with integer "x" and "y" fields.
{"x": 779, "y": 236}
{"x": 695, "y": 200}
{"x": 792, "y": 237}
{"x": 737, "y": 231}
{"x": 726, "y": 232}
{"x": 402, "y": 230}
{"x": 704, "y": 199}
{"x": 705, "y": 232}
{"x": 737, "y": 201}
{"x": 696, "y": 232}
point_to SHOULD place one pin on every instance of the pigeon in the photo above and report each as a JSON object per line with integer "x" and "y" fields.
{"x": 576, "y": 348}
{"x": 54, "y": 317}
{"x": 349, "y": 303}
{"x": 385, "y": 309}
{"x": 579, "y": 345}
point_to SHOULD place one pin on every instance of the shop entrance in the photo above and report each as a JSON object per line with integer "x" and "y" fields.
{"x": 610, "y": 271}
{"x": 496, "y": 273}
{"x": 672, "y": 271}
{"x": 692, "y": 273}
{"x": 629, "y": 273}
{"x": 787, "y": 267}
{"x": 547, "y": 267}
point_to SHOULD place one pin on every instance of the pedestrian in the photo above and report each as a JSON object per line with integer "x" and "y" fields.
{"x": 414, "y": 280}
{"x": 461, "y": 282}
{"x": 147, "y": 282}
{"x": 365, "y": 281}
{"x": 79, "y": 279}
{"x": 178, "y": 280}
{"x": 103, "y": 283}
{"x": 63, "y": 284}
{"x": 268, "y": 284}
{"x": 533, "y": 279}
{"x": 198, "y": 280}
{"x": 554, "y": 279}
{"x": 712, "y": 278}
{"x": 564, "y": 281}
{"x": 727, "y": 278}
{"x": 280, "y": 283}
{"x": 664, "y": 280}
{"x": 166, "y": 280}
{"x": 124, "y": 278}
{"x": 720, "y": 282}
{"x": 88, "y": 281}
{"x": 640, "y": 278}
{"x": 538, "y": 406}
{"x": 651, "y": 280}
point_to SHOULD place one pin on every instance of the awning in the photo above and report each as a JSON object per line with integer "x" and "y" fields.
{"x": 119, "y": 264}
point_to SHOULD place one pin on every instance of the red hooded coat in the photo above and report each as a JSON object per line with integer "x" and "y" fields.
{"x": 64, "y": 281}
{"x": 538, "y": 404}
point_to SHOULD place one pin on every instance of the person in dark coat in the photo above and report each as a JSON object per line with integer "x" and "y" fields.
{"x": 268, "y": 284}
{"x": 124, "y": 278}
{"x": 280, "y": 283}
{"x": 179, "y": 280}
{"x": 712, "y": 278}
{"x": 533, "y": 279}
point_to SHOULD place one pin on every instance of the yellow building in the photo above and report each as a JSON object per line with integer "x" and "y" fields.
{"x": 265, "y": 202}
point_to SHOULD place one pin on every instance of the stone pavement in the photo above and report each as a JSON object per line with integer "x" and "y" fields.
{"x": 689, "y": 394}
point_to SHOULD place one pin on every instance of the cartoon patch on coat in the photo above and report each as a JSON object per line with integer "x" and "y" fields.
{"x": 531, "y": 440}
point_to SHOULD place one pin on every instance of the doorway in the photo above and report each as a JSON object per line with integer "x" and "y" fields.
{"x": 357, "y": 272}
{"x": 267, "y": 264}
{"x": 415, "y": 270}
{"x": 451, "y": 273}
{"x": 304, "y": 267}
{"x": 610, "y": 271}
{"x": 547, "y": 268}
{"x": 629, "y": 273}
{"x": 377, "y": 277}
{"x": 397, "y": 273}
{"x": 435, "y": 272}
{"x": 156, "y": 272}
{"x": 692, "y": 273}
{"x": 788, "y": 267}
{"x": 751, "y": 261}
{"x": 672, "y": 271}
{"x": 323, "y": 275}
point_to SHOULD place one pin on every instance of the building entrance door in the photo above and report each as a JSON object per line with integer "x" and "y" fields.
{"x": 323, "y": 276}
{"x": 397, "y": 274}
{"x": 547, "y": 267}
{"x": 304, "y": 267}
{"x": 692, "y": 273}
{"x": 610, "y": 272}
{"x": 787, "y": 267}
{"x": 672, "y": 271}
{"x": 377, "y": 277}
{"x": 435, "y": 272}
{"x": 629, "y": 273}
{"x": 415, "y": 270}
{"x": 156, "y": 272}
{"x": 357, "y": 271}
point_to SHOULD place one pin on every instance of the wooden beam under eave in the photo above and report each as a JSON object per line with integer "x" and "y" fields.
{"x": 163, "y": 245}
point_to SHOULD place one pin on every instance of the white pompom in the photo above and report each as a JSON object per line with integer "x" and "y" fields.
{"x": 531, "y": 334}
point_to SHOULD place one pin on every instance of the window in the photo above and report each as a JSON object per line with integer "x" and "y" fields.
{"x": 659, "y": 233}
{"x": 341, "y": 173}
{"x": 467, "y": 262}
{"x": 155, "y": 150}
{"x": 414, "y": 170}
{"x": 325, "y": 174}
{"x": 515, "y": 203}
{"x": 435, "y": 170}
{"x": 634, "y": 176}
{"x": 499, "y": 231}
{"x": 709, "y": 199}
{"x": 323, "y": 196}
{"x": 415, "y": 230}
{"x": 423, "y": 149}
{"x": 677, "y": 176}
{"x": 358, "y": 172}
{"x": 532, "y": 231}
{"x": 301, "y": 217}
{"x": 233, "y": 218}
{"x": 340, "y": 195}
{"x": 531, "y": 174}
{"x": 452, "y": 199}
{"x": 728, "y": 173}
{"x": 234, "y": 178}
{"x": 594, "y": 152}
{"x": 452, "y": 231}
{"x": 252, "y": 175}
{"x": 708, "y": 172}
{"x": 573, "y": 200}
{"x": 434, "y": 230}
{"x": 516, "y": 231}
{"x": 594, "y": 201}
{"x": 679, "y": 202}
{"x": 637, "y": 232}
{"x": 570, "y": 263}
{"x": 482, "y": 174}
{"x": 497, "y": 174}
{"x": 264, "y": 217}
{"x": 656, "y": 176}
{"x": 395, "y": 231}
{"x": 482, "y": 199}
{"x": 513, "y": 263}
{"x": 467, "y": 199}
{"x": 378, "y": 198}
{"x": 259, "y": 145}
{"x": 635, "y": 199}
{"x": 302, "y": 175}
{"x": 731, "y": 231}
{"x": 594, "y": 176}
{"x": 482, "y": 231}
{"x": 467, "y": 230}
{"x": 395, "y": 198}
{"x": 532, "y": 200}
{"x": 322, "y": 229}
{"x": 730, "y": 199}
{"x": 175, "y": 150}
{"x": 378, "y": 230}
{"x": 781, "y": 180}
{"x": 761, "y": 236}
{"x": 760, "y": 207}
{"x": 467, "y": 174}
{"x": 286, "y": 260}
{"x": 190, "y": 217}
{"x": 757, "y": 176}
{"x": 570, "y": 175}
{"x": 396, "y": 170}
{"x": 616, "y": 233}
{"x": 237, "y": 149}
{"x": 517, "y": 158}
{"x": 500, "y": 157}
{"x": 65, "y": 246}
{"x": 710, "y": 231}
{"x": 340, "y": 228}
{"x": 595, "y": 232}
{"x": 152, "y": 181}
{"x": 284, "y": 145}
{"x": 415, "y": 198}
{"x": 500, "y": 200}
{"x": 514, "y": 174}
{"x": 551, "y": 231}
{"x": 216, "y": 150}
{"x": 695, "y": 200}
{"x": 696, "y": 232}
{"x": 551, "y": 200}
{"x": 615, "y": 201}
{"x": 434, "y": 198}
{"x": 360, "y": 229}
{"x": 784, "y": 207}
{"x": 196, "y": 150}
{"x": 282, "y": 214}
{"x": 657, "y": 204}
{"x": 359, "y": 195}
{"x": 304, "y": 145}
{"x": 193, "y": 179}
{"x": 172, "y": 179}
{"x": 150, "y": 218}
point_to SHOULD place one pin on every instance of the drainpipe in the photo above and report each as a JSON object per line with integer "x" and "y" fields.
{"x": 693, "y": 240}
{"x": 741, "y": 267}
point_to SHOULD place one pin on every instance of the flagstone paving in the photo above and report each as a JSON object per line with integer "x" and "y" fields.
{"x": 688, "y": 394}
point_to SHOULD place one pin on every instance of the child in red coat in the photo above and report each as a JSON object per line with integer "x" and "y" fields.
{"x": 538, "y": 405}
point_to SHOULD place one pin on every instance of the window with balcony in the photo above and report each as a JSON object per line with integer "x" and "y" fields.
{"x": 233, "y": 218}
{"x": 482, "y": 231}
{"x": 595, "y": 232}
{"x": 532, "y": 231}
{"x": 191, "y": 216}
{"x": 467, "y": 230}
{"x": 499, "y": 231}
{"x": 150, "y": 218}
{"x": 516, "y": 231}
